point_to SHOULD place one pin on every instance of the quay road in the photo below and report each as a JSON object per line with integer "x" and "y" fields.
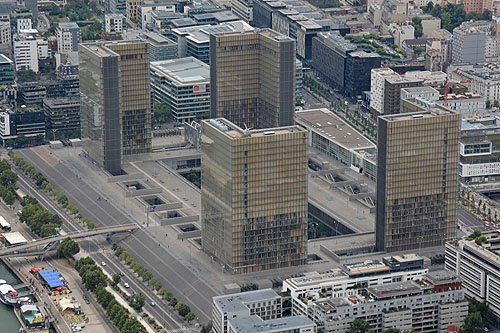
{"x": 173, "y": 272}
{"x": 93, "y": 247}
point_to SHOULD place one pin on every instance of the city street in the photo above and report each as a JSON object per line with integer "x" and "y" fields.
{"x": 171, "y": 271}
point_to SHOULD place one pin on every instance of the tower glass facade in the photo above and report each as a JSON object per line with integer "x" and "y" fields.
{"x": 417, "y": 170}
{"x": 252, "y": 78}
{"x": 100, "y": 106}
{"x": 254, "y": 196}
{"x": 114, "y": 83}
{"x": 136, "y": 98}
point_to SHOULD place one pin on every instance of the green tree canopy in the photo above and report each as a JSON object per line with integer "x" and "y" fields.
{"x": 161, "y": 112}
{"x": 182, "y": 309}
{"x": 68, "y": 248}
{"x": 416, "y": 22}
{"x": 473, "y": 323}
{"x": 359, "y": 326}
{"x": 116, "y": 279}
{"x": 137, "y": 301}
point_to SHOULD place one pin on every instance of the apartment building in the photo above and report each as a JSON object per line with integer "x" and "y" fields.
{"x": 468, "y": 46}
{"x": 342, "y": 282}
{"x": 265, "y": 303}
{"x": 114, "y": 23}
{"x": 479, "y": 267}
{"x": 334, "y": 137}
{"x": 194, "y": 40}
{"x": 68, "y": 37}
{"x": 435, "y": 303}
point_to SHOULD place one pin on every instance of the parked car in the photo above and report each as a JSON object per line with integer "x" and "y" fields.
{"x": 103, "y": 264}
{"x": 126, "y": 285}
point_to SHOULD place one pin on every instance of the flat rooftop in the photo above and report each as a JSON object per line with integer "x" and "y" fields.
{"x": 442, "y": 277}
{"x": 184, "y": 70}
{"x": 428, "y": 113}
{"x": 236, "y": 302}
{"x": 327, "y": 124}
{"x": 366, "y": 267}
{"x": 201, "y": 34}
{"x": 235, "y": 132}
{"x": 395, "y": 289}
{"x": 254, "y": 324}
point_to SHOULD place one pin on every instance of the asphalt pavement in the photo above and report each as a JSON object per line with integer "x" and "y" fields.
{"x": 470, "y": 221}
{"x": 175, "y": 274}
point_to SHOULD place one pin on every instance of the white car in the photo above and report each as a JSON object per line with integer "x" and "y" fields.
{"x": 103, "y": 264}
{"x": 126, "y": 285}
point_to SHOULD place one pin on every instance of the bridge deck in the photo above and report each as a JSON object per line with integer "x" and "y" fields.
{"x": 74, "y": 235}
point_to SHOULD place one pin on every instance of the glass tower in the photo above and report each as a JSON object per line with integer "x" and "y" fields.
{"x": 417, "y": 170}
{"x": 252, "y": 78}
{"x": 115, "y": 101}
{"x": 254, "y": 196}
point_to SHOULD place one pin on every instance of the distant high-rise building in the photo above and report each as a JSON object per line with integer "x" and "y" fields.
{"x": 468, "y": 46}
{"x": 417, "y": 170}
{"x": 477, "y": 6}
{"x": 252, "y": 78}
{"x": 117, "y": 6}
{"x": 114, "y": 23}
{"x": 115, "y": 101}
{"x": 132, "y": 10}
{"x": 7, "y": 76}
{"x": 100, "y": 106}
{"x": 136, "y": 98}
{"x": 68, "y": 37}
{"x": 254, "y": 196}
{"x": 385, "y": 92}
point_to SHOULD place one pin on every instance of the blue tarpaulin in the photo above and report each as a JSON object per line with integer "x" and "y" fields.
{"x": 51, "y": 278}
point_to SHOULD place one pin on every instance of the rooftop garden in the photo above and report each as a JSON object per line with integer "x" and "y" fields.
{"x": 379, "y": 45}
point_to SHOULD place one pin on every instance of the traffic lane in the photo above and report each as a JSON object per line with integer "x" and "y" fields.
{"x": 187, "y": 287}
{"x": 78, "y": 194}
{"x": 136, "y": 286}
{"x": 470, "y": 220}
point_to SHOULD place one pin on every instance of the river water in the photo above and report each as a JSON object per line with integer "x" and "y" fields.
{"x": 8, "y": 320}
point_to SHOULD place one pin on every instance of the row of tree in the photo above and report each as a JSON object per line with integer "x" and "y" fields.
{"x": 153, "y": 282}
{"x": 8, "y": 182}
{"x": 40, "y": 220}
{"x": 94, "y": 280}
{"x": 42, "y": 183}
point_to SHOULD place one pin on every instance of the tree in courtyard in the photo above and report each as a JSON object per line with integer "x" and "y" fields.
{"x": 416, "y": 22}
{"x": 473, "y": 323}
{"x": 359, "y": 326}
